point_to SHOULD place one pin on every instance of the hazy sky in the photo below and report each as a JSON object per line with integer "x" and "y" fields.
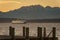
{"x": 6, "y": 5}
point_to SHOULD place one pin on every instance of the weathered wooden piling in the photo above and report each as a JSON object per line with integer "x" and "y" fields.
{"x": 44, "y": 34}
{"x": 54, "y": 33}
{"x": 24, "y": 33}
{"x": 27, "y": 33}
{"x": 39, "y": 33}
{"x": 12, "y": 33}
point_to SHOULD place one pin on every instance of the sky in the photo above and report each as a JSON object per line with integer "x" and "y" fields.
{"x": 7, "y": 5}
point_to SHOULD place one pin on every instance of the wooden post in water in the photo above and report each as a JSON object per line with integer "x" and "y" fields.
{"x": 39, "y": 33}
{"x": 44, "y": 33}
{"x": 54, "y": 33}
{"x": 27, "y": 33}
{"x": 11, "y": 32}
{"x": 24, "y": 31}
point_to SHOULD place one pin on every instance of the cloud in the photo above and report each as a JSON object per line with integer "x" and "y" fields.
{"x": 20, "y": 3}
{"x": 3, "y": 2}
{"x": 9, "y": 5}
{"x": 6, "y": 0}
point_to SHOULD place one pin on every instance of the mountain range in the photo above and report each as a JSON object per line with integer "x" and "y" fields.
{"x": 33, "y": 12}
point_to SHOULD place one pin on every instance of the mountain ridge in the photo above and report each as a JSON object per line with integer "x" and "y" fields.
{"x": 33, "y": 12}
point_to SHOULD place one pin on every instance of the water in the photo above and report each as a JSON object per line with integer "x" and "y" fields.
{"x": 4, "y": 28}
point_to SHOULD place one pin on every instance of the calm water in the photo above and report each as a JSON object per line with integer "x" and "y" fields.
{"x": 4, "y": 28}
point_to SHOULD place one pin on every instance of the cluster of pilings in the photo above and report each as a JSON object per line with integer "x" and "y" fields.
{"x": 26, "y": 36}
{"x": 39, "y": 34}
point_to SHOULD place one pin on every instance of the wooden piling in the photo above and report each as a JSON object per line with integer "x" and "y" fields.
{"x": 27, "y": 33}
{"x": 12, "y": 33}
{"x": 54, "y": 33}
{"x": 44, "y": 34}
{"x": 10, "y": 30}
{"x": 39, "y": 33}
{"x": 24, "y": 31}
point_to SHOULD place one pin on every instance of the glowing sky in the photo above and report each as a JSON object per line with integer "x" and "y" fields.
{"x": 6, "y": 5}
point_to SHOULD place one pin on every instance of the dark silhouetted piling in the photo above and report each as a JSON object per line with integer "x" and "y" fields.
{"x": 44, "y": 34}
{"x": 39, "y": 33}
{"x": 12, "y": 32}
{"x": 27, "y": 33}
{"x": 54, "y": 33}
{"x": 24, "y": 29}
